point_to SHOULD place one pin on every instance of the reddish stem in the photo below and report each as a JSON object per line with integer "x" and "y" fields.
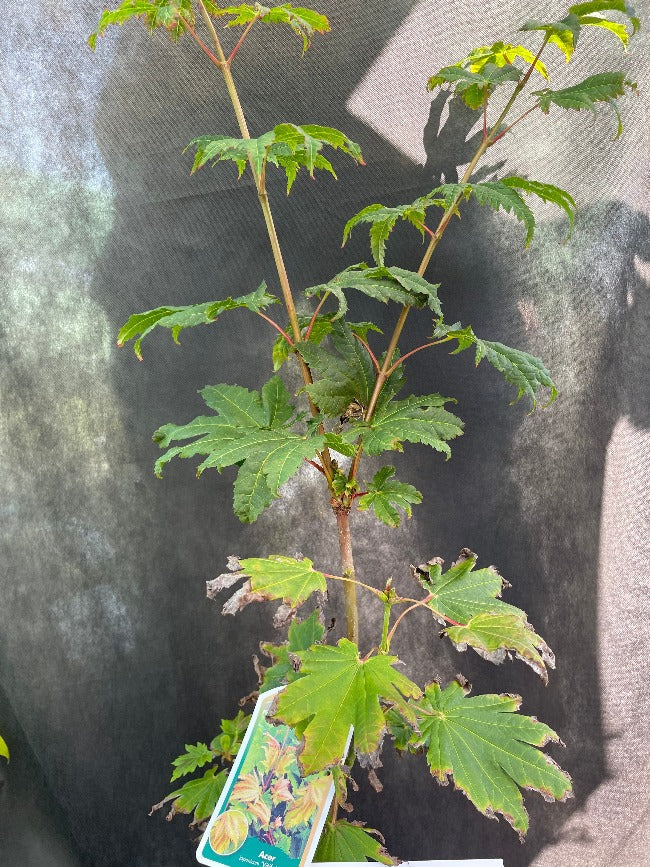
{"x": 424, "y": 228}
{"x": 201, "y": 43}
{"x": 368, "y": 350}
{"x": 316, "y": 466}
{"x": 241, "y": 39}
{"x": 508, "y": 128}
{"x": 403, "y": 358}
{"x": 313, "y": 318}
{"x": 277, "y": 328}
{"x": 485, "y": 102}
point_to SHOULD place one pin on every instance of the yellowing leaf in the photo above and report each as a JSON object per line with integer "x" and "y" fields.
{"x": 261, "y": 811}
{"x": 284, "y": 578}
{"x": 229, "y": 832}
{"x": 281, "y": 790}
{"x": 338, "y": 690}
{"x": 468, "y": 599}
{"x": 4, "y": 749}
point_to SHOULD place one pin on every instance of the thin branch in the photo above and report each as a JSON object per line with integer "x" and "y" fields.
{"x": 368, "y": 350}
{"x": 241, "y": 39}
{"x": 423, "y": 602}
{"x": 424, "y": 228}
{"x": 508, "y": 128}
{"x": 403, "y": 358}
{"x": 316, "y": 312}
{"x": 354, "y": 581}
{"x": 201, "y": 43}
{"x": 316, "y": 466}
{"x": 485, "y": 102}
{"x": 277, "y": 328}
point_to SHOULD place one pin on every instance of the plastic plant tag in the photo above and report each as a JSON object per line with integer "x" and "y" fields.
{"x": 268, "y": 815}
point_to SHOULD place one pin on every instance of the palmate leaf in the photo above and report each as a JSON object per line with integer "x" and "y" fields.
{"x": 303, "y": 22}
{"x": 343, "y": 377}
{"x": 468, "y": 597}
{"x": 178, "y": 318}
{"x": 347, "y": 841}
{"x": 524, "y": 371}
{"x": 156, "y": 13}
{"x": 489, "y": 750}
{"x": 386, "y": 495}
{"x": 383, "y": 219}
{"x": 284, "y": 578}
{"x": 321, "y": 327}
{"x": 287, "y": 146}
{"x": 475, "y": 87}
{"x": 265, "y": 579}
{"x": 195, "y": 756}
{"x": 337, "y": 690}
{"x": 591, "y": 14}
{"x": 504, "y": 194}
{"x": 417, "y": 419}
{"x": 603, "y": 87}
{"x": 501, "y": 54}
{"x": 302, "y": 635}
{"x": 564, "y": 34}
{"x": 381, "y": 283}
{"x": 198, "y": 796}
{"x": 251, "y": 430}
{"x": 226, "y": 744}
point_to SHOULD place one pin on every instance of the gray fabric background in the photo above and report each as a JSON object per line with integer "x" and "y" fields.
{"x": 110, "y": 656}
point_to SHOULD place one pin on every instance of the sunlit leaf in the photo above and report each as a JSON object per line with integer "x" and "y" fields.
{"x": 564, "y": 34}
{"x": 170, "y": 14}
{"x": 303, "y": 22}
{"x": 603, "y": 87}
{"x": 228, "y": 832}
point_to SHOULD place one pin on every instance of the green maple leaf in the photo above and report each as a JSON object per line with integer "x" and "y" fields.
{"x": 287, "y": 146}
{"x": 226, "y": 744}
{"x": 385, "y": 495}
{"x": 195, "y": 756}
{"x": 284, "y": 578}
{"x": 417, "y": 419}
{"x": 199, "y": 796}
{"x": 321, "y": 326}
{"x": 383, "y": 219}
{"x": 337, "y": 690}
{"x": 591, "y": 14}
{"x": 302, "y": 635}
{"x": 155, "y": 13}
{"x": 343, "y": 377}
{"x": 469, "y": 599}
{"x": 489, "y": 750}
{"x": 501, "y": 54}
{"x": 250, "y": 430}
{"x": 564, "y": 34}
{"x": 524, "y": 371}
{"x": 603, "y": 87}
{"x": 345, "y": 841}
{"x": 303, "y": 22}
{"x": 178, "y": 318}
{"x": 475, "y": 86}
{"x": 381, "y": 283}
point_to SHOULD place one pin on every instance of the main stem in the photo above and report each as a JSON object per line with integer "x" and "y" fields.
{"x": 347, "y": 562}
{"x": 260, "y": 184}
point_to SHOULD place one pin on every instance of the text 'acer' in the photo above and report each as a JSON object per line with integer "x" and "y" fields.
{"x": 352, "y": 404}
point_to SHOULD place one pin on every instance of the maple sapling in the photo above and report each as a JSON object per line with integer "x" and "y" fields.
{"x": 351, "y": 406}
